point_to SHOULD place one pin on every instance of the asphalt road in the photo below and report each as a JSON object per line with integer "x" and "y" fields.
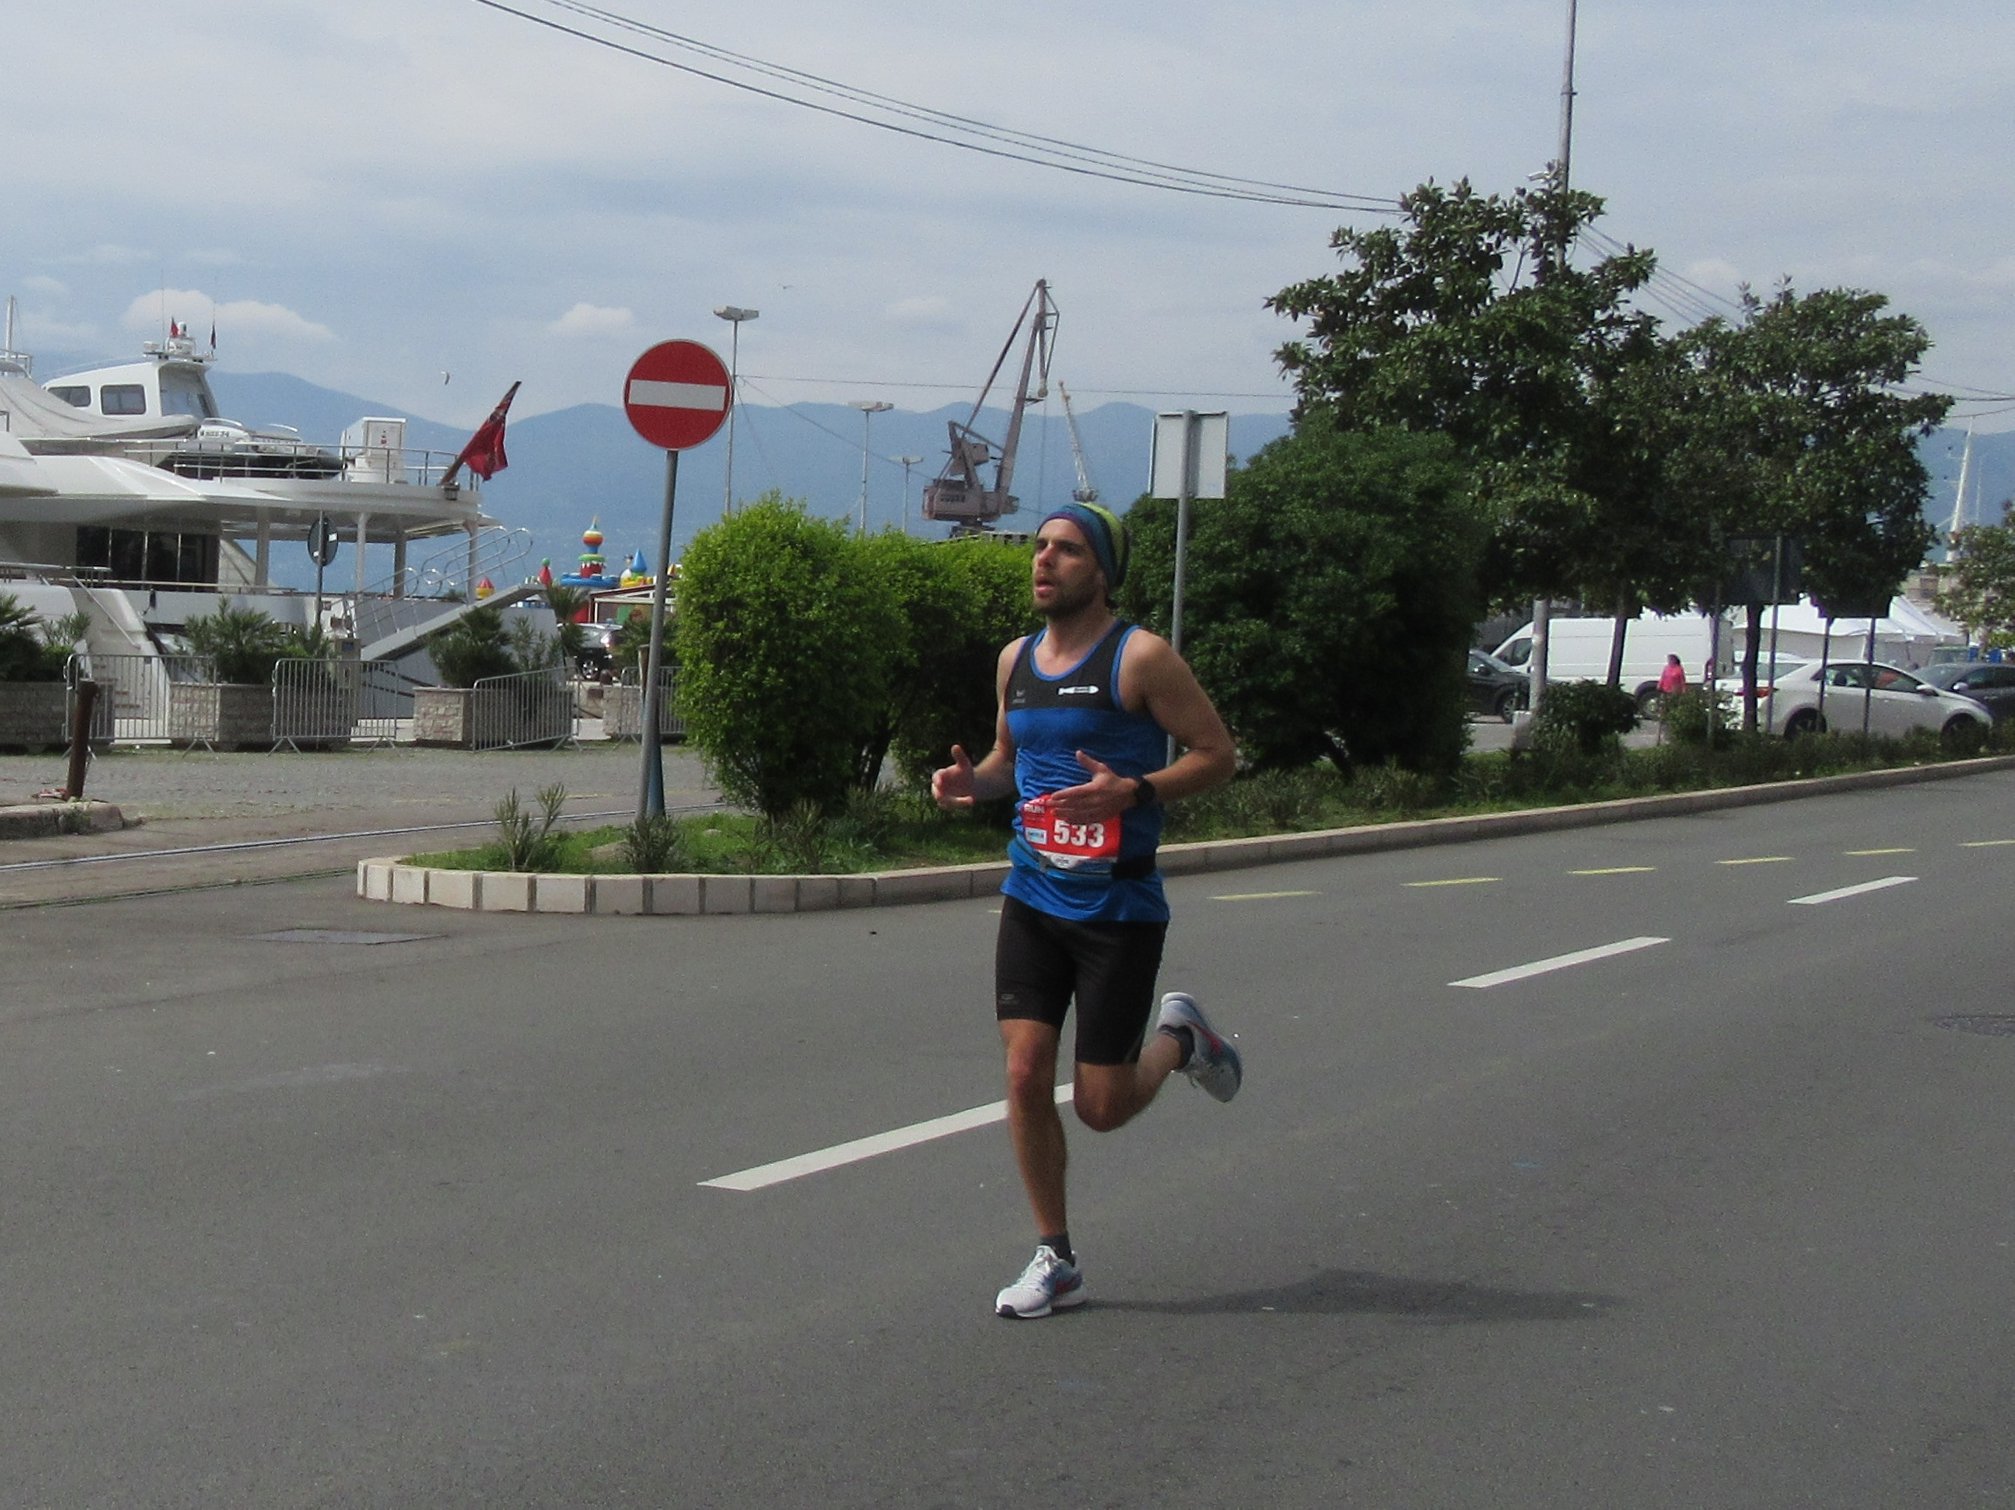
{"x": 1724, "y": 1219}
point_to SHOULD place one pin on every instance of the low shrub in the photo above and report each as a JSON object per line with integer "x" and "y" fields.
{"x": 527, "y": 841}
{"x": 1584, "y": 716}
{"x": 1690, "y": 717}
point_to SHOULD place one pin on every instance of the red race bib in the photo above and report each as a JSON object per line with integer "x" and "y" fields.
{"x": 1067, "y": 845}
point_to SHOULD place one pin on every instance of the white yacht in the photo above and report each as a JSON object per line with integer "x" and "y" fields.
{"x": 124, "y": 492}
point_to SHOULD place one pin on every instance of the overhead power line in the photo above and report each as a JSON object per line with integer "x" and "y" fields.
{"x": 906, "y": 119}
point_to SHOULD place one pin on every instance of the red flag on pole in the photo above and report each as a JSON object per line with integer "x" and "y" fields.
{"x": 484, "y": 454}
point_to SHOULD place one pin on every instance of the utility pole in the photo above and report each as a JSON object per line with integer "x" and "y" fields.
{"x": 1562, "y": 159}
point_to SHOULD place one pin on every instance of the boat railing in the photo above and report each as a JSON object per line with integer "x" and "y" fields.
{"x": 457, "y": 567}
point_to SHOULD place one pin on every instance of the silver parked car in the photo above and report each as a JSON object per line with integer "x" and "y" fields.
{"x": 1990, "y": 683}
{"x": 1851, "y": 695}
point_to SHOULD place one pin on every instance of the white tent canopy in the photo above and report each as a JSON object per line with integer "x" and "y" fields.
{"x": 1907, "y": 635}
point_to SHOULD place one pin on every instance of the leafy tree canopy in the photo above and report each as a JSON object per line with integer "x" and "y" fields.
{"x": 783, "y": 643}
{"x": 1978, "y": 589}
{"x": 1329, "y": 598}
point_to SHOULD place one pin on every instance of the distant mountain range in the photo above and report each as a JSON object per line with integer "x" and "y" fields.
{"x": 578, "y": 466}
{"x": 574, "y": 467}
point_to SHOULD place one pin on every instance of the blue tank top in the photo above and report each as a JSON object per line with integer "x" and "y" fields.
{"x": 1068, "y": 870}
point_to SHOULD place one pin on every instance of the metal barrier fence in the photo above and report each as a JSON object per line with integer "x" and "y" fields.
{"x": 320, "y": 702}
{"x": 134, "y": 692}
{"x": 325, "y": 702}
{"x": 525, "y": 708}
{"x": 384, "y": 702}
{"x": 623, "y": 706}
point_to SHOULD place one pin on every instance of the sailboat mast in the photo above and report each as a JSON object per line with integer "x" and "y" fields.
{"x": 1959, "y": 509}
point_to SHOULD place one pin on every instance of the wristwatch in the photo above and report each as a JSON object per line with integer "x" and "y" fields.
{"x": 1144, "y": 794}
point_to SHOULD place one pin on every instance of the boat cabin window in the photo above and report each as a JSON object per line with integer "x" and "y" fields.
{"x": 77, "y": 395}
{"x": 146, "y": 558}
{"x": 122, "y": 398}
{"x": 180, "y": 396}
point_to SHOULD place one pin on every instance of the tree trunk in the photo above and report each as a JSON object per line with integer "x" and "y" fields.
{"x": 1616, "y": 635}
{"x": 1752, "y": 641}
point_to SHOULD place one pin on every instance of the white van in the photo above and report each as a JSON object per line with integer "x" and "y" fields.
{"x": 1577, "y": 649}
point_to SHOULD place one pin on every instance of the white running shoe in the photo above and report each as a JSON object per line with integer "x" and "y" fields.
{"x": 1047, "y": 1284}
{"x": 1215, "y": 1064}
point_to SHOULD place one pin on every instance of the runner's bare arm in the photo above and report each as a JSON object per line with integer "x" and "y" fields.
{"x": 964, "y": 782}
{"x": 1154, "y": 679}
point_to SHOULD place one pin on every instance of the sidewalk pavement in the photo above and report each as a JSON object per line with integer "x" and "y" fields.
{"x": 175, "y": 806}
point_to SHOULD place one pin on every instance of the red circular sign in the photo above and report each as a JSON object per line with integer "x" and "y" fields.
{"x": 677, "y": 394}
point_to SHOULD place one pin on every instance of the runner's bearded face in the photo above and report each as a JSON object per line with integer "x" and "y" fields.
{"x": 1066, "y": 577}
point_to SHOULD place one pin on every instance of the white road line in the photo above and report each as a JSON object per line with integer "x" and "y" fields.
{"x": 867, "y": 1148}
{"x": 1262, "y": 896}
{"x": 1821, "y": 897}
{"x": 1558, "y": 962}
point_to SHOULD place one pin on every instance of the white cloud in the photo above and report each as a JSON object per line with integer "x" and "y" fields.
{"x": 109, "y": 254}
{"x": 242, "y": 317}
{"x": 929, "y": 310}
{"x": 592, "y": 322}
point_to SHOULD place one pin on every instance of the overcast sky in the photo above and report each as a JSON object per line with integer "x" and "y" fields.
{"x": 374, "y": 194}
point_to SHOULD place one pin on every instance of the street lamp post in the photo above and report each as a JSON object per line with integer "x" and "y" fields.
{"x": 734, "y": 315}
{"x": 907, "y": 463}
{"x": 869, "y": 408}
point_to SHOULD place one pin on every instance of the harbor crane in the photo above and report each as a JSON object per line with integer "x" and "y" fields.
{"x": 1084, "y": 492}
{"x": 961, "y": 494}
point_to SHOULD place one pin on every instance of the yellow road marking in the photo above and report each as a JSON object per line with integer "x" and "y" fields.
{"x": 1262, "y": 896}
{"x": 1899, "y": 850}
{"x": 1459, "y": 881}
{"x": 1984, "y": 843}
{"x": 1759, "y": 860}
{"x": 1617, "y": 870}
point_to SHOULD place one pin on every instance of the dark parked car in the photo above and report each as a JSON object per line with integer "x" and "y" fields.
{"x": 1988, "y": 682}
{"x": 1496, "y": 688}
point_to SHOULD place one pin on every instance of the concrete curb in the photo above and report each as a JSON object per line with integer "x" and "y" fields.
{"x": 391, "y": 880}
{"x": 39, "y": 819}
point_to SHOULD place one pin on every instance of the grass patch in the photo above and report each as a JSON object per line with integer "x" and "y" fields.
{"x": 901, "y": 831}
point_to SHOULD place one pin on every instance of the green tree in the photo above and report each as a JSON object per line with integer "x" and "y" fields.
{"x": 1467, "y": 319}
{"x": 1329, "y": 598}
{"x": 960, "y": 602}
{"x": 473, "y": 648}
{"x": 1978, "y": 587}
{"x": 31, "y": 650}
{"x": 1799, "y": 426}
{"x": 566, "y": 604}
{"x": 784, "y": 636}
{"x": 241, "y": 644}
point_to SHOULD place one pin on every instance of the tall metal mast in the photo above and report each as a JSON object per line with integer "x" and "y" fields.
{"x": 1561, "y": 164}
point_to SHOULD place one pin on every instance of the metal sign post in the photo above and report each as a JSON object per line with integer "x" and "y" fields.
{"x": 678, "y": 394}
{"x": 1189, "y": 463}
{"x": 322, "y": 546}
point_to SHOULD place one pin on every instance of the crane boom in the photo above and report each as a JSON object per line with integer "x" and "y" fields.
{"x": 1084, "y": 492}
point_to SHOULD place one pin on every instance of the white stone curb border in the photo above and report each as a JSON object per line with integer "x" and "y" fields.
{"x": 392, "y": 880}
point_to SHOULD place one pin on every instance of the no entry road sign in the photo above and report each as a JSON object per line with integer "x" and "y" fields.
{"x": 677, "y": 394}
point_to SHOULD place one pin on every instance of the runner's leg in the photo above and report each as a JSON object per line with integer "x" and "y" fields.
{"x": 1034, "y": 1125}
{"x": 1108, "y": 1096}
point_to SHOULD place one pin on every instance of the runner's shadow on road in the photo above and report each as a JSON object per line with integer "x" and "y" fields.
{"x": 1353, "y": 1292}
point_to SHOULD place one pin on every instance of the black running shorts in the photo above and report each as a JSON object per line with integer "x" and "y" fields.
{"x": 1041, "y": 962}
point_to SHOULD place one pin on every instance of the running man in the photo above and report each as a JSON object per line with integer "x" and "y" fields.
{"x": 1087, "y": 706}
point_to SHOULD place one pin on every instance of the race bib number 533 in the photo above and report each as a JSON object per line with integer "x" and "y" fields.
{"x": 1067, "y": 844}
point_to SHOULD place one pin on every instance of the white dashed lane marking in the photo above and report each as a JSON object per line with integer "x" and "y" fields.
{"x": 1557, "y": 962}
{"x": 840, "y": 1154}
{"x": 1820, "y": 898}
